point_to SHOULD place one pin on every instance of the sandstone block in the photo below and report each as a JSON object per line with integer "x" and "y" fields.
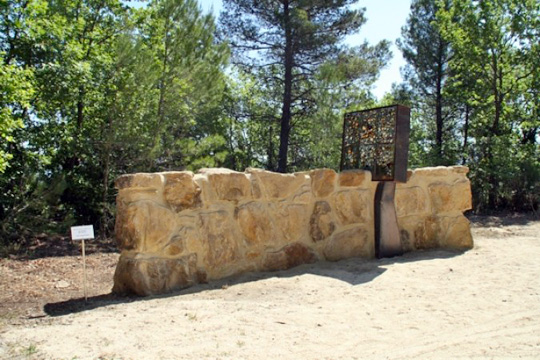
{"x": 323, "y": 182}
{"x": 353, "y": 206}
{"x": 427, "y": 174}
{"x": 139, "y": 180}
{"x": 349, "y": 243}
{"x": 276, "y": 185}
{"x": 180, "y": 191}
{"x": 153, "y": 275}
{"x": 410, "y": 201}
{"x": 219, "y": 237}
{"x": 303, "y": 196}
{"x": 144, "y": 226}
{"x": 255, "y": 223}
{"x": 450, "y": 197}
{"x": 228, "y": 185}
{"x": 406, "y": 242}
{"x": 354, "y": 178}
{"x": 131, "y": 195}
{"x": 457, "y": 232}
{"x": 292, "y": 221}
{"x": 290, "y": 256}
{"x": 427, "y": 233}
{"x": 321, "y": 224}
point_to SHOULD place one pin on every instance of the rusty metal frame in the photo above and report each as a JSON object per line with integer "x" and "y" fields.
{"x": 387, "y": 236}
{"x": 400, "y": 141}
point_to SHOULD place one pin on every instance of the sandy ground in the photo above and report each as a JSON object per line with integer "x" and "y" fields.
{"x": 483, "y": 303}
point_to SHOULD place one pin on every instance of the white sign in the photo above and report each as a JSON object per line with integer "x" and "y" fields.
{"x": 82, "y": 232}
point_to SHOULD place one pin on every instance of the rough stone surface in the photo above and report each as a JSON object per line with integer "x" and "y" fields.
{"x": 450, "y": 197}
{"x": 292, "y": 220}
{"x": 229, "y": 185}
{"x": 176, "y": 229}
{"x": 276, "y": 185}
{"x": 323, "y": 182}
{"x": 255, "y": 223}
{"x": 140, "y": 180}
{"x": 353, "y": 206}
{"x": 457, "y": 234}
{"x": 290, "y": 256}
{"x": 147, "y": 276}
{"x": 354, "y": 178}
{"x": 426, "y": 234}
{"x": 180, "y": 191}
{"x": 321, "y": 224}
{"x": 410, "y": 201}
{"x": 349, "y": 243}
{"x": 144, "y": 226}
{"x": 220, "y": 239}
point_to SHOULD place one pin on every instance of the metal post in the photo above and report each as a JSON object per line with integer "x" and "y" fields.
{"x": 84, "y": 271}
{"x": 387, "y": 240}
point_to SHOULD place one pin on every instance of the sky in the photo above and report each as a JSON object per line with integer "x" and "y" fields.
{"x": 384, "y": 21}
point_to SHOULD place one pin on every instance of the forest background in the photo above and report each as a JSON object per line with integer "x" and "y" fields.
{"x": 93, "y": 89}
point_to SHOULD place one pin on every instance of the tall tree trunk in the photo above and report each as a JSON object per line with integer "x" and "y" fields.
{"x": 270, "y": 149}
{"x": 287, "y": 94}
{"x": 438, "y": 106}
{"x": 465, "y": 135}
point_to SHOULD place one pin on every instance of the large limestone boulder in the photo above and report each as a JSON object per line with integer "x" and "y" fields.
{"x": 142, "y": 275}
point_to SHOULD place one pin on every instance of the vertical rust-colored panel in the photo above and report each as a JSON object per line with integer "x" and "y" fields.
{"x": 377, "y": 140}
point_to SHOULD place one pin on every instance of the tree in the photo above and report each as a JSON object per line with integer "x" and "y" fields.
{"x": 290, "y": 39}
{"x": 16, "y": 89}
{"x": 428, "y": 53}
{"x": 495, "y": 45}
{"x": 190, "y": 82}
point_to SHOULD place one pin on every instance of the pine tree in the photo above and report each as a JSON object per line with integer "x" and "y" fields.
{"x": 427, "y": 54}
{"x": 289, "y": 40}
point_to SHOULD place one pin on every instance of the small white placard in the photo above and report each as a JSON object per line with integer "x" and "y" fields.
{"x": 82, "y": 232}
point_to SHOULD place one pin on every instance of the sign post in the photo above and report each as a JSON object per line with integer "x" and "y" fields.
{"x": 83, "y": 233}
{"x": 378, "y": 140}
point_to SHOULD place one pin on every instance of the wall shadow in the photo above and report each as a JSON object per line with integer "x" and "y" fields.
{"x": 355, "y": 271}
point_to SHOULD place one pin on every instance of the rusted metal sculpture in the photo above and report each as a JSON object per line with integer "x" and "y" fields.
{"x": 378, "y": 140}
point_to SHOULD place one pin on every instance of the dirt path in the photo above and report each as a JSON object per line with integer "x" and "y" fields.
{"x": 482, "y": 303}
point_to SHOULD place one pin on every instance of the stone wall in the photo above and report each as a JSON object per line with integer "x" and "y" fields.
{"x": 176, "y": 229}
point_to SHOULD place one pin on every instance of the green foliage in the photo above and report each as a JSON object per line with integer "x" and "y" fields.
{"x": 16, "y": 89}
{"x": 489, "y": 94}
{"x": 92, "y": 90}
{"x": 295, "y": 51}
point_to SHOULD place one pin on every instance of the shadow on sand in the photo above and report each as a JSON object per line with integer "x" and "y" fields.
{"x": 355, "y": 271}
